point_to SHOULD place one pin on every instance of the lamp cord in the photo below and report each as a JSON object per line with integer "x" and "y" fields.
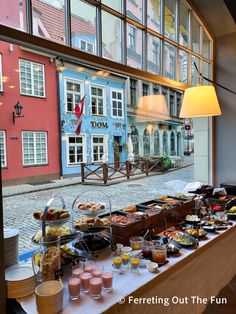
{"x": 213, "y": 82}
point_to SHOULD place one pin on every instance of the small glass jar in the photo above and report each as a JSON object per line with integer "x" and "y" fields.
{"x": 147, "y": 249}
{"x": 125, "y": 259}
{"x": 136, "y": 242}
{"x": 159, "y": 254}
{"x": 117, "y": 262}
{"x": 134, "y": 264}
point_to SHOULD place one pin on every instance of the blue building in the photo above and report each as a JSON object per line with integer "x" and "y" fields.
{"x": 103, "y": 135}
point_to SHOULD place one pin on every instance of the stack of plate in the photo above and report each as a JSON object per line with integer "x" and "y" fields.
{"x": 11, "y": 241}
{"x": 21, "y": 281}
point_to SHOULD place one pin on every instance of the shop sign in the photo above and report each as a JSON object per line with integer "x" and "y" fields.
{"x": 100, "y": 125}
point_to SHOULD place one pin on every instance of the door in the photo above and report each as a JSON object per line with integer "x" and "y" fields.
{"x": 116, "y": 146}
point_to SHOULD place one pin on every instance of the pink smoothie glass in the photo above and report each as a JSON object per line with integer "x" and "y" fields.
{"x": 74, "y": 285}
{"x": 107, "y": 280}
{"x": 85, "y": 278}
{"x": 95, "y": 287}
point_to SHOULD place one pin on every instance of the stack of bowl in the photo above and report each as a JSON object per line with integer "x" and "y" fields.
{"x": 49, "y": 297}
{"x": 11, "y": 240}
{"x": 21, "y": 281}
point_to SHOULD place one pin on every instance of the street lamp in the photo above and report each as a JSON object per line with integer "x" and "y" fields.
{"x": 17, "y": 113}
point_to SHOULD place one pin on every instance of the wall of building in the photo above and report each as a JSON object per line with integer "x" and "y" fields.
{"x": 225, "y": 126}
{"x": 40, "y": 114}
{"x": 115, "y": 126}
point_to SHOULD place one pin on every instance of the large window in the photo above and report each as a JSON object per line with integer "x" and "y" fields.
{"x": 98, "y": 100}
{"x": 165, "y": 143}
{"x": 156, "y": 143}
{"x": 116, "y": 5}
{"x": 153, "y": 54}
{"x": 146, "y": 142}
{"x": 206, "y": 46}
{"x": 3, "y": 152}
{"x": 183, "y": 66}
{"x": 134, "y": 10}
{"x": 1, "y": 82}
{"x": 172, "y": 144}
{"x": 73, "y": 94}
{"x": 169, "y": 61}
{"x": 153, "y": 14}
{"x": 32, "y": 80}
{"x": 172, "y": 104}
{"x": 183, "y": 24}
{"x": 117, "y": 104}
{"x": 134, "y": 46}
{"x": 76, "y": 152}
{"x": 195, "y": 35}
{"x": 133, "y": 92}
{"x": 111, "y": 37}
{"x": 97, "y": 148}
{"x": 135, "y": 140}
{"x": 83, "y": 26}
{"x": 170, "y": 16}
{"x": 34, "y": 148}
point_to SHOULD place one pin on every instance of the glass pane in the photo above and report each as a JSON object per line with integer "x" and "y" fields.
{"x": 169, "y": 61}
{"x": 83, "y": 26}
{"x": 111, "y": 40}
{"x": 206, "y": 71}
{"x": 13, "y": 14}
{"x": 170, "y": 19}
{"x": 195, "y": 35}
{"x": 153, "y": 15}
{"x": 183, "y": 66}
{"x": 195, "y": 76}
{"x": 134, "y": 10}
{"x": 49, "y": 22}
{"x": 183, "y": 25}
{"x": 153, "y": 54}
{"x": 134, "y": 46}
{"x": 206, "y": 46}
{"x": 116, "y": 5}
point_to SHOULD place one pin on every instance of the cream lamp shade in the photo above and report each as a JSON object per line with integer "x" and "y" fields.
{"x": 200, "y": 101}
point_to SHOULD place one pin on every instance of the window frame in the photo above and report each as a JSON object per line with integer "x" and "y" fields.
{"x": 117, "y": 90}
{"x": 76, "y": 81}
{"x": 35, "y": 152}
{"x": 92, "y": 146}
{"x": 86, "y": 45}
{"x": 32, "y": 78}
{"x": 104, "y": 99}
{"x": 4, "y": 150}
{"x": 84, "y": 149}
{"x": 132, "y": 37}
{"x": 133, "y": 91}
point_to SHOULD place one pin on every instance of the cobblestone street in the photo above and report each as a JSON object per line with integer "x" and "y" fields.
{"x": 18, "y": 209}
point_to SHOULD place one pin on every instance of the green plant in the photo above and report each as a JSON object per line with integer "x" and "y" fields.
{"x": 166, "y": 162}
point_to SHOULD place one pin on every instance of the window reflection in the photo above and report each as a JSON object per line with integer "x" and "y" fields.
{"x": 169, "y": 61}
{"x": 116, "y": 5}
{"x": 183, "y": 66}
{"x": 206, "y": 70}
{"x": 49, "y": 20}
{"x": 83, "y": 26}
{"x": 111, "y": 40}
{"x": 13, "y": 14}
{"x": 134, "y": 10}
{"x": 183, "y": 24}
{"x": 153, "y": 54}
{"x": 170, "y": 19}
{"x": 134, "y": 46}
{"x": 195, "y": 35}
{"x": 206, "y": 46}
{"x": 153, "y": 15}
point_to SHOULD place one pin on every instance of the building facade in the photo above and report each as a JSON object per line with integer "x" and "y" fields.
{"x": 29, "y": 145}
{"x": 103, "y": 135}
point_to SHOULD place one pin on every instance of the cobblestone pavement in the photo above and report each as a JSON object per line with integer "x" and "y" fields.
{"x": 18, "y": 209}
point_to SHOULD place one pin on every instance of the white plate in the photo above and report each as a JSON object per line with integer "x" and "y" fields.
{"x": 19, "y": 272}
{"x": 10, "y": 233}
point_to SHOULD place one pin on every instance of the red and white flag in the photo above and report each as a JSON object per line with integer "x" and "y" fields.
{"x": 79, "y": 113}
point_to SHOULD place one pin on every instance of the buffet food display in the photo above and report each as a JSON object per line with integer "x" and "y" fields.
{"x": 140, "y": 237}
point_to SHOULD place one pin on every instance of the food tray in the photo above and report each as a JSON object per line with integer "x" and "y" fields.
{"x": 147, "y": 205}
{"x": 180, "y": 199}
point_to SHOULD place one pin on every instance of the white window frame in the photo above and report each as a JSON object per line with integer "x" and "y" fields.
{"x": 122, "y": 102}
{"x": 104, "y": 99}
{"x": 84, "y": 146}
{"x": 4, "y": 149}
{"x": 72, "y": 80}
{"x": 32, "y": 78}
{"x": 93, "y": 136}
{"x": 86, "y": 45}
{"x": 1, "y": 82}
{"x": 35, "y": 155}
{"x": 132, "y": 34}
